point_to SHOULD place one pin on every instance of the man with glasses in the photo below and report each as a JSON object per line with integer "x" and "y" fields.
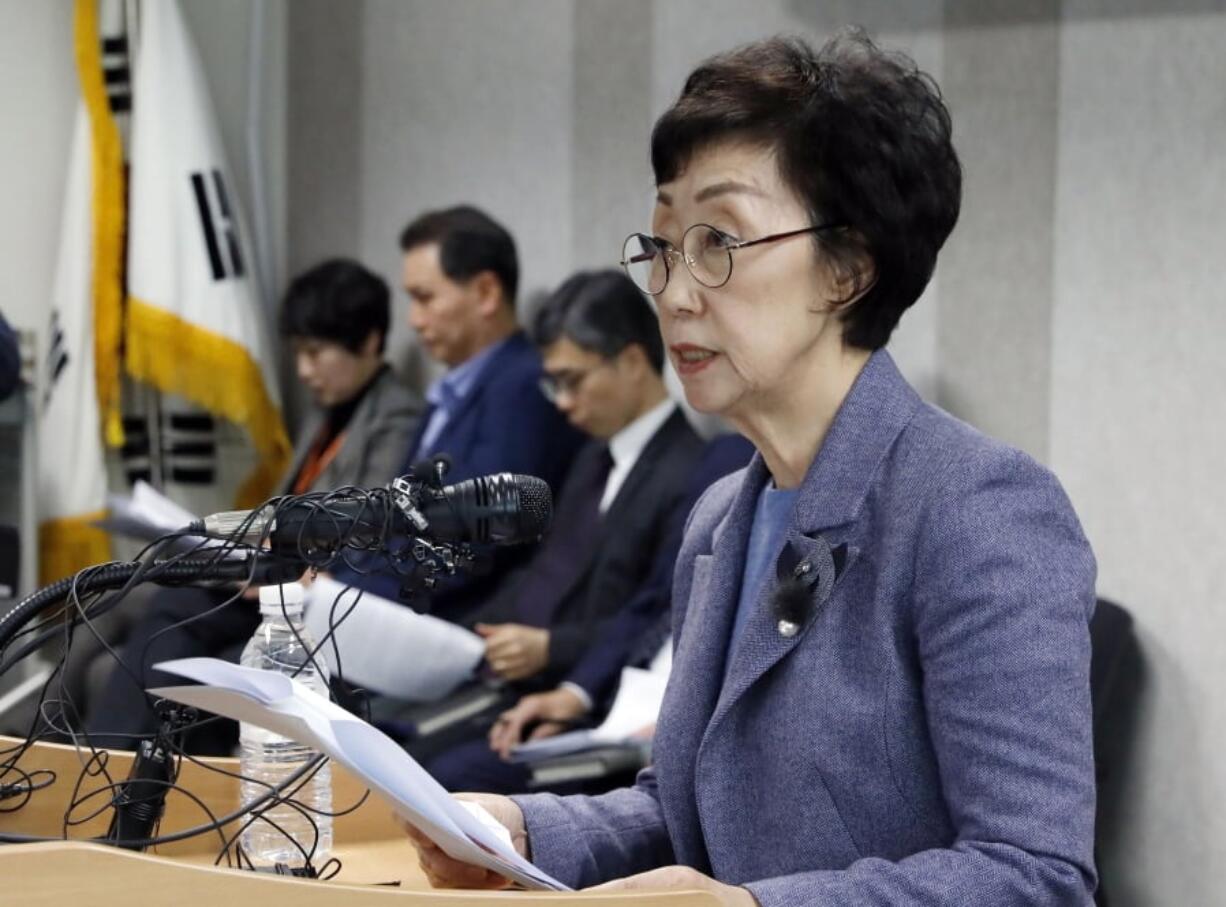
{"x": 603, "y": 359}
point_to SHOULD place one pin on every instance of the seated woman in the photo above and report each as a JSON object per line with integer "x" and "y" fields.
{"x": 880, "y": 688}
{"x": 336, "y": 318}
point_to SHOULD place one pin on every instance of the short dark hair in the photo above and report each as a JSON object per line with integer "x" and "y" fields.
{"x": 469, "y": 242}
{"x": 338, "y": 300}
{"x": 600, "y": 311}
{"x": 863, "y": 139}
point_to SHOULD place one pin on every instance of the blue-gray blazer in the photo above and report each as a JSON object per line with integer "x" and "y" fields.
{"x": 924, "y": 738}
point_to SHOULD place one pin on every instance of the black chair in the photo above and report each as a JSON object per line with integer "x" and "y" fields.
{"x": 1114, "y": 664}
{"x": 10, "y": 562}
{"x": 592, "y": 772}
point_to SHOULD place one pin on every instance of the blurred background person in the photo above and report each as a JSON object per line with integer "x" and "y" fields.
{"x": 603, "y": 359}
{"x": 335, "y": 318}
{"x": 486, "y": 413}
{"x": 636, "y": 636}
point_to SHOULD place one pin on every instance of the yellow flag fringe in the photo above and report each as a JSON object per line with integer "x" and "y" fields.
{"x": 212, "y": 371}
{"x": 69, "y": 544}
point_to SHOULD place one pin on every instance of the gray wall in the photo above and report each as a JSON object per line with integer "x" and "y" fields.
{"x": 1078, "y": 311}
{"x": 434, "y": 104}
{"x": 1138, "y": 420}
{"x": 39, "y": 104}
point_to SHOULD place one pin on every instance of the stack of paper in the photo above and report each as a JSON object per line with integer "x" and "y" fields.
{"x": 284, "y": 706}
{"x": 634, "y": 708}
{"x": 147, "y": 513}
{"x": 388, "y": 647}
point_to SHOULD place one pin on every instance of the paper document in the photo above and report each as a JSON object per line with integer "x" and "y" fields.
{"x": 636, "y": 706}
{"x": 286, "y": 707}
{"x": 146, "y": 515}
{"x": 388, "y": 647}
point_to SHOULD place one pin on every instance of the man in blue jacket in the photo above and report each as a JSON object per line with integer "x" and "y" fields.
{"x": 486, "y": 413}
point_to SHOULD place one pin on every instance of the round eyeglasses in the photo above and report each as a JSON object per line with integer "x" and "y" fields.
{"x": 706, "y": 251}
{"x": 554, "y": 384}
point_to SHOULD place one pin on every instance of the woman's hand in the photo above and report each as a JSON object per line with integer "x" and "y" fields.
{"x": 515, "y": 651}
{"x": 681, "y": 878}
{"x": 443, "y": 871}
{"x": 551, "y": 713}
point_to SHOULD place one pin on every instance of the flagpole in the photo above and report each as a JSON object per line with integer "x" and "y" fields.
{"x": 151, "y": 402}
{"x": 265, "y": 266}
{"x": 153, "y": 431}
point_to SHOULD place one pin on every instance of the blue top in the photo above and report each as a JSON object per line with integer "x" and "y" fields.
{"x": 445, "y": 394}
{"x": 771, "y": 518}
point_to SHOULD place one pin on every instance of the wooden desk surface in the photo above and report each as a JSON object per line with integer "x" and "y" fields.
{"x": 373, "y": 851}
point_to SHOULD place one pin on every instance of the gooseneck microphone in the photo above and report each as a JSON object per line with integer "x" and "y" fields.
{"x": 502, "y": 509}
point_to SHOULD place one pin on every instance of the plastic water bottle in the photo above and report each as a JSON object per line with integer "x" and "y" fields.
{"x": 270, "y": 758}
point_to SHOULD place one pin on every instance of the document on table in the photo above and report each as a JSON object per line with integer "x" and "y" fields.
{"x": 286, "y": 707}
{"x": 388, "y": 647}
{"x": 635, "y": 707}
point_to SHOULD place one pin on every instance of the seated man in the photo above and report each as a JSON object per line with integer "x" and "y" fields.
{"x": 634, "y": 637}
{"x": 603, "y": 358}
{"x": 486, "y": 413}
{"x": 336, "y": 318}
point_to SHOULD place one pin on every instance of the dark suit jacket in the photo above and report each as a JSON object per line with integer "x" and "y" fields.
{"x": 924, "y": 738}
{"x": 617, "y": 639}
{"x": 503, "y": 424}
{"x": 634, "y": 528}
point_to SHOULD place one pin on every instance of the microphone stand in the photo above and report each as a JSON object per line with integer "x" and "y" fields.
{"x": 140, "y": 801}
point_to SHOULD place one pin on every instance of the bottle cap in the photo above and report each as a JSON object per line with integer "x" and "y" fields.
{"x": 290, "y": 595}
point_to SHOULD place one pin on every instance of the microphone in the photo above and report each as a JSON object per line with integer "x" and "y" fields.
{"x": 502, "y": 509}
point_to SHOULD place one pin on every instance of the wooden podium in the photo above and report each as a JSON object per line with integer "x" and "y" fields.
{"x": 379, "y": 866}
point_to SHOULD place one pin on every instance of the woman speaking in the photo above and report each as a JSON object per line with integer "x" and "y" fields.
{"x": 880, "y": 688}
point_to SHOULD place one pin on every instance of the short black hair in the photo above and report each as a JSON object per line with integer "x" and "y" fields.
{"x": 602, "y": 312}
{"x": 469, "y": 242}
{"x": 862, "y": 138}
{"x": 338, "y": 300}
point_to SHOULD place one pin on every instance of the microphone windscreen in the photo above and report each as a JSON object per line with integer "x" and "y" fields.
{"x": 535, "y": 505}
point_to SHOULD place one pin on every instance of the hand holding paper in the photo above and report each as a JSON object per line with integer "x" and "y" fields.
{"x": 504, "y": 817}
{"x": 285, "y": 707}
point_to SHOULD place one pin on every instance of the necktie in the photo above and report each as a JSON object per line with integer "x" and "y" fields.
{"x": 569, "y": 545}
{"x": 647, "y": 645}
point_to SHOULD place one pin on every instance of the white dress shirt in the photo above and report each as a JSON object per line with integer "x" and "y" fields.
{"x": 626, "y": 446}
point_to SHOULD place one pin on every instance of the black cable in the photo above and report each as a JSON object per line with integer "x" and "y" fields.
{"x": 86, "y": 601}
